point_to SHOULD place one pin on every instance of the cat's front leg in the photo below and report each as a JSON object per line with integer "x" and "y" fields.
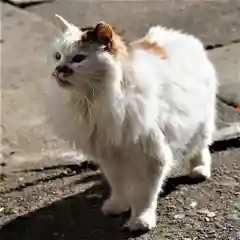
{"x": 114, "y": 205}
{"x": 117, "y": 202}
{"x": 200, "y": 164}
{"x": 146, "y": 184}
{"x": 144, "y": 199}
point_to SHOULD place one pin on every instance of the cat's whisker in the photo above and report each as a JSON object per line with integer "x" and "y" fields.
{"x": 89, "y": 107}
{"x": 92, "y": 85}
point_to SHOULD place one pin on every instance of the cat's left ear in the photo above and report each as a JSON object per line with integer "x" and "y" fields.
{"x": 103, "y": 33}
{"x": 62, "y": 23}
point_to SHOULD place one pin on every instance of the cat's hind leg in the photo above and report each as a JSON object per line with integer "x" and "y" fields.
{"x": 201, "y": 161}
{"x": 200, "y": 164}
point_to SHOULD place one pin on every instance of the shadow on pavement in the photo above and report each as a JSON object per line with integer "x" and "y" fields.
{"x": 225, "y": 145}
{"x": 77, "y": 217}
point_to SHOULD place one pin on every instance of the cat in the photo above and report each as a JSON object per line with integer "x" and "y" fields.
{"x": 139, "y": 109}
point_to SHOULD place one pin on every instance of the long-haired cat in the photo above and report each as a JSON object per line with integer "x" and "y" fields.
{"x": 139, "y": 109}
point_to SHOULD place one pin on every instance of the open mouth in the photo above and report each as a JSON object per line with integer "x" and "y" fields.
{"x": 61, "y": 79}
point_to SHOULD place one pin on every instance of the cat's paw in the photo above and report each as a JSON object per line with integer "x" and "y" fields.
{"x": 145, "y": 222}
{"x": 201, "y": 172}
{"x": 113, "y": 206}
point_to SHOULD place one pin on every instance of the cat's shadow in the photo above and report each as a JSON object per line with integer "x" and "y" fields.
{"x": 76, "y": 217}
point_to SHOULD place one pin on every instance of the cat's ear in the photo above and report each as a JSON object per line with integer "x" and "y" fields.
{"x": 62, "y": 23}
{"x": 104, "y": 33}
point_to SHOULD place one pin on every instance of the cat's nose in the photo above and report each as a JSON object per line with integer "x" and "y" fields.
{"x": 64, "y": 69}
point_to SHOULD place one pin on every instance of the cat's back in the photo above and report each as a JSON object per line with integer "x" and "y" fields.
{"x": 170, "y": 48}
{"x": 174, "y": 67}
{"x": 176, "y": 64}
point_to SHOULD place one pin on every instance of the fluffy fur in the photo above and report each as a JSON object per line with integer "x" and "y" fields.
{"x": 137, "y": 113}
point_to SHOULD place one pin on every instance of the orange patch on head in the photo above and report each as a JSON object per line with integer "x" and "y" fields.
{"x": 153, "y": 47}
{"x": 114, "y": 43}
{"x": 104, "y": 34}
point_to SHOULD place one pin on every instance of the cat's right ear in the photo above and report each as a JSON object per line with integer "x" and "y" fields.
{"x": 62, "y": 23}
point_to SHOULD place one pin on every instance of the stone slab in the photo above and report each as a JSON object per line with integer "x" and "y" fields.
{"x": 226, "y": 115}
{"x": 226, "y": 133}
{"x": 227, "y": 63}
{"x": 25, "y": 46}
{"x": 215, "y": 21}
{"x": 230, "y": 94}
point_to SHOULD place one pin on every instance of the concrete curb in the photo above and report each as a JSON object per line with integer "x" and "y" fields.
{"x": 227, "y": 133}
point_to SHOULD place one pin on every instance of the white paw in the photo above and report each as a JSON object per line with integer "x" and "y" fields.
{"x": 113, "y": 206}
{"x": 201, "y": 172}
{"x": 145, "y": 222}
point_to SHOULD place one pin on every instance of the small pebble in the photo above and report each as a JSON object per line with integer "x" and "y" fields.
{"x": 206, "y": 212}
{"x": 218, "y": 225}
{"x": 207, "y": 219}
{"x": 228, "y": 183}
{"x": 179, "y": 216}
{"x": 237, "y": 205}
{"x": 193, "y": 204}
{"x": 211, "y": 214}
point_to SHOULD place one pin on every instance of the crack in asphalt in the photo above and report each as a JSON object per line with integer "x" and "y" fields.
{"x": 27, "y": 4}
{"x": 220, "y": 45}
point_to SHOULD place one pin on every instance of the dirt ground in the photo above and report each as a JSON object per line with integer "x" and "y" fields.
{"x": 63, "y": 202}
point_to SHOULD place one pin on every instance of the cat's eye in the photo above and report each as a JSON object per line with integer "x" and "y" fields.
{"x": 78, "y": 58}
{"x": 57, "y": 56}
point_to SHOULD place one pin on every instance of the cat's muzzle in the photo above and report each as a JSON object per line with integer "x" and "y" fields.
{"x": 61, "y": 73}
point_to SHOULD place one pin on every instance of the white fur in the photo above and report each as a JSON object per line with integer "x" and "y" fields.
{"x": 138, "y": 131}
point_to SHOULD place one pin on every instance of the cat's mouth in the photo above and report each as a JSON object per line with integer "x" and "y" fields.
{"x": 61, "y": 79}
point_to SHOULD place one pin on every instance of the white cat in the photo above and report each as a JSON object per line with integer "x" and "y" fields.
{"x": 139, "y": 110}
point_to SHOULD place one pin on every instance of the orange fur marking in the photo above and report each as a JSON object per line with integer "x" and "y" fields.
{"x": 104, "y": 33}
{"x": 238, "y": 107}
{"x": 118, "y": 46}
{"x": 153, "y": 47}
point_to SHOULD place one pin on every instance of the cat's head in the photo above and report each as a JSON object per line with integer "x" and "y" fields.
{"x": 86, "y": 57}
